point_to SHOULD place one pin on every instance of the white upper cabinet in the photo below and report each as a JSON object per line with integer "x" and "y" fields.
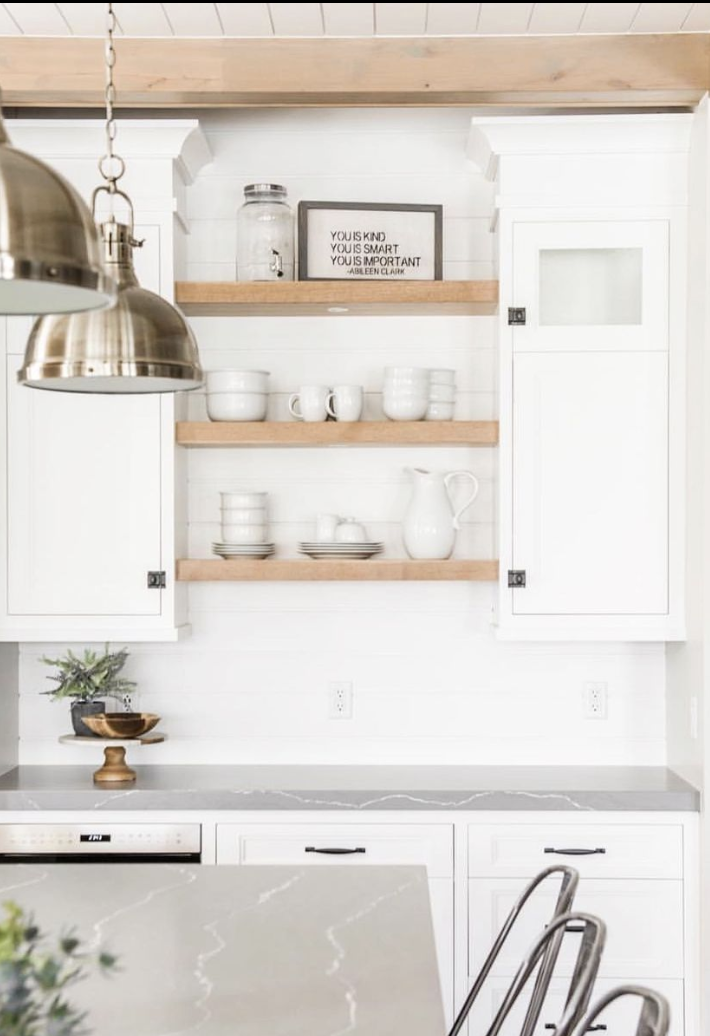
{"x": 600, "y": 286}
{"x": 590, "y": 483}
{"x": 88, "y": 481}
{"x": 84, "y": 494}
{"x": 591, "y": 227}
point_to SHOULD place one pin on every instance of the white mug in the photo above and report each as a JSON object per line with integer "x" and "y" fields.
{"x": 326, "y": 524}
{"x": 350, "y": 531}
{"x": 344, "y": 403}
{"x": 312, "y": 400}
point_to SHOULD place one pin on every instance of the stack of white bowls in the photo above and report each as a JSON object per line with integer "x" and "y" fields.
{"x": 442, "y": 395}
{"x": 244, "y": 526}
{"x": 405, "y": 395}
{"x": 237, "y": 395}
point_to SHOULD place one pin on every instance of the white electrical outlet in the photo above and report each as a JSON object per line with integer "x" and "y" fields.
{"x": 595, "y": 699}
{"x": 340, "y": 699}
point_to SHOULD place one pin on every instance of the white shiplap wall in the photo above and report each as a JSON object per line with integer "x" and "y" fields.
{"x": 432, "y": 685}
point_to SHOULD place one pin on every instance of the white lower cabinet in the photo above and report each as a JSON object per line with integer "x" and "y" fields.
{"x": 636, "y": 876}
{"x": 620, "y": 1019}
{"x": 637, "y": 873}
{"x": 429, "y": 845}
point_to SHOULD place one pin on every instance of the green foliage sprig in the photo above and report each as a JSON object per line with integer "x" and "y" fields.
{"x": 33, "y": 981}
{"x": 89, "y": 677}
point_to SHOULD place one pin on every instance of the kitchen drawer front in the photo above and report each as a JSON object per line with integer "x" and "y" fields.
{"x": 644, "y": 922}
{"x": 620, "y": 1018}
{"x": 633, "y": 851}
{"x": 431, "y": 845}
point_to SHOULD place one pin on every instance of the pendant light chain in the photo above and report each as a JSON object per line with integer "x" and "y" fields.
{"x": 111, "y": 166}
{"x": 140, "y": 343}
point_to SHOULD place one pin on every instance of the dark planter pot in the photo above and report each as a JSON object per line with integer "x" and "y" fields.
{"x": 85, "y": 708}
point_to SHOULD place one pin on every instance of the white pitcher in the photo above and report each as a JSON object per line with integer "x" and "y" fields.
{"x": 430, "y": 523}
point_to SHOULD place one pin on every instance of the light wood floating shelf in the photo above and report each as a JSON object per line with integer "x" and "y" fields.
{"x": 316, "y": 298}
{"x": 374, "y": 570}
{"x": 332, "y": 433}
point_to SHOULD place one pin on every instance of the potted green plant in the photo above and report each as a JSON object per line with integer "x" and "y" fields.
{"x": 33, "y": 980}
{"x": 87, "y": 681}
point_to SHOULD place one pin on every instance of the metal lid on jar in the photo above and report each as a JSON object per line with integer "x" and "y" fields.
{"x": 264, "y": 188}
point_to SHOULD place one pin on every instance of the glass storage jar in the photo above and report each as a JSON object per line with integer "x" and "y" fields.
{"x": 265, "y": 234}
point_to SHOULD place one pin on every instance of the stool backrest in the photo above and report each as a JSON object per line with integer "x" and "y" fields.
{"x": 589, "y": 954}
{"x": 563, "y": 905}
{"x": 653, "y": 1020}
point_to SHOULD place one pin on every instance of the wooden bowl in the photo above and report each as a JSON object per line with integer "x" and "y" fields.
{"x": 122, "y": 725}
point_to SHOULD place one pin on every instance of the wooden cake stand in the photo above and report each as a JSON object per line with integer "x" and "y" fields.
{"x": 115, "y": 769}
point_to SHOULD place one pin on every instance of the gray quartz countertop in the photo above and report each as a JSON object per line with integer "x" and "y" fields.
{"x": 244, "y": 951}
{"x": 352, "y": 788}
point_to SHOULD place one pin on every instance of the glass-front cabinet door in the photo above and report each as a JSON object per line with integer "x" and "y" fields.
{"x": 598, "y": 286}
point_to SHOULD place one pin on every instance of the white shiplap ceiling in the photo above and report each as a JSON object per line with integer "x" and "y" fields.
{"x": 288, "y": 20}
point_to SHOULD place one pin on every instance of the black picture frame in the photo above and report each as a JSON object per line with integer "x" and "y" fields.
{"x": 305, "y": 207}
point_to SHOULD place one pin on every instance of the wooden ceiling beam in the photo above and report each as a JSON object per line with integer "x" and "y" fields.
{"x": 556, "y": 71}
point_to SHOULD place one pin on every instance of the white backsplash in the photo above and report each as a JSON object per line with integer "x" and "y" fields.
{"x": 431, "y": 683}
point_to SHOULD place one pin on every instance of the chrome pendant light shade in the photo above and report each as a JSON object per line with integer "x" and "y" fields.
{"x": 140, "y": 344}
{"x": 50, "y": 254}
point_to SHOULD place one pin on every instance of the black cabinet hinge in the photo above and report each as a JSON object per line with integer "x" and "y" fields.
{"x": 156, "y": 580}
{"x": 516, "y": 578}
{"x": 516, "y": 315}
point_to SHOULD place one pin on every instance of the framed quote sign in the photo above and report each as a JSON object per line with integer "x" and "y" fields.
{"x": 362, "y": 241}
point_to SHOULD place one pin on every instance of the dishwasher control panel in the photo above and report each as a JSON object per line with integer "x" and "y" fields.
{"x": 100, "y": 839}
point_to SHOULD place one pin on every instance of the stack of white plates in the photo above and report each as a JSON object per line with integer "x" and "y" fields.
{"x": 244, "y": 550}
{"x": 352, "y": 551}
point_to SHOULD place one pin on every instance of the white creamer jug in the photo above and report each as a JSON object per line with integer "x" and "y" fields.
{"x": 430, "y": 522}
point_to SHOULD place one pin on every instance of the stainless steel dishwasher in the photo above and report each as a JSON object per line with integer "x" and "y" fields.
{"x": 100, "y": 843}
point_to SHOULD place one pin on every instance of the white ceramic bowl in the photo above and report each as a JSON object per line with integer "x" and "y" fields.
{"x": 236, "y": 406}
{"x": 407, "y": 372}
{"x": 237, "y": 381}
{"x": 406, "y": 394}
{"x": 243, "y": 499}
{"x": 442, "y": 376}
{"x": 442, "y": 394}
{"x": 245, "y": 533}
{"x": 405, "y": 408}
{"x": 440, "y": 412}
{"x": 406, "y": 384}
{"x": 243, "y": 515}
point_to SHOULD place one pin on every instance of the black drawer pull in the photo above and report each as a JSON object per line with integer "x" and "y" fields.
{"x": 334, "y": 851}
{"x": 601, "y": 1027}
{"x": 576, "y": 852}
{"x": 575, "y": 929}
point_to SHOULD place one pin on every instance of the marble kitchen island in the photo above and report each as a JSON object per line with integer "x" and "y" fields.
{"x": 245, "y": 951}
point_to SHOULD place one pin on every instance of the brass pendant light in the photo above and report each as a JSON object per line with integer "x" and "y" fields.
{"x": 50, "y": 254}
{"x": 139, "y": 344}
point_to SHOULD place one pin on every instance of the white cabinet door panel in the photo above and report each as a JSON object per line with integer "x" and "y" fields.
{"x": 600, "y": 285}
{"x": 644, "y": 922}
{"x": 84, "y": 512}
{"x": 590, "y": 483}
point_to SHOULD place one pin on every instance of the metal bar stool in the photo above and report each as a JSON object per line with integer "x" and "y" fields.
{"x": 589, "y": 954}
{"x": 565, "y": 899}
{"x": 653, "y": 1021}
